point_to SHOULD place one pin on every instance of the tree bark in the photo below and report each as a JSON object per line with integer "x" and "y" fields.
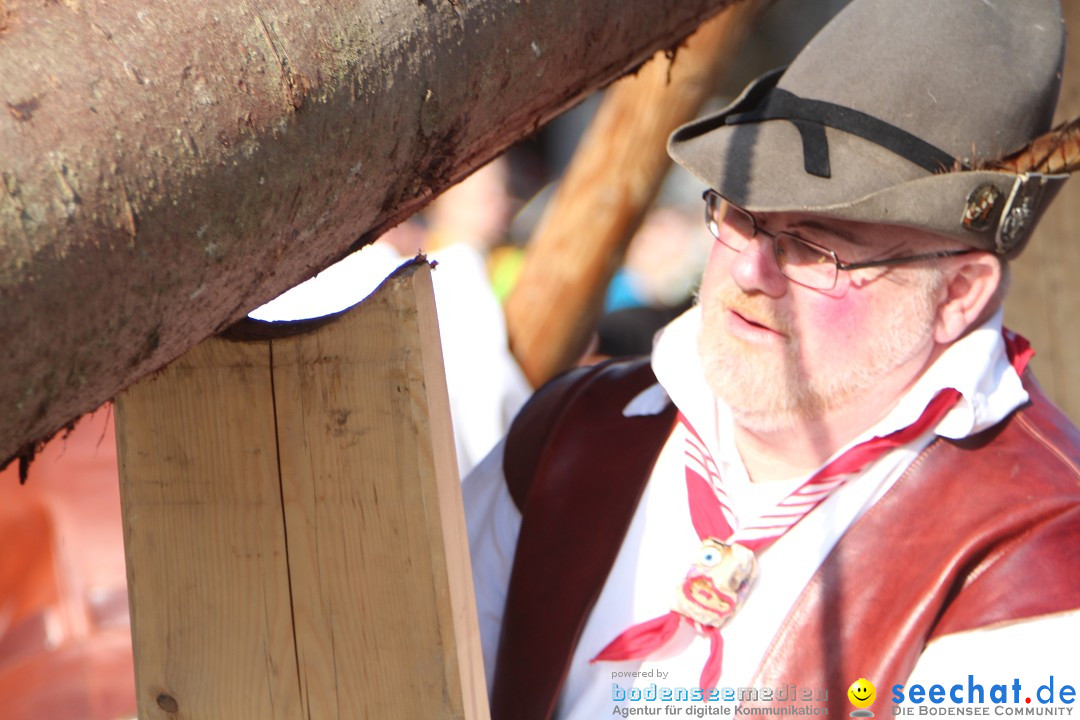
{"x": 167, "y": 167}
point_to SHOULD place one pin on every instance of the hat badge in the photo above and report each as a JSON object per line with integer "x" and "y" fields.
{"x": 980, "y": 208}
{"x": 1018, "y": 216}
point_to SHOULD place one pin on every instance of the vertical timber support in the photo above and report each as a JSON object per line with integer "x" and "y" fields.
{"x": 1044, "y": 296}
{"x": 293, "y": 525}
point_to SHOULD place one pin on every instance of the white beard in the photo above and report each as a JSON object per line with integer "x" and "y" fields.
{"x": 768, "y": 390}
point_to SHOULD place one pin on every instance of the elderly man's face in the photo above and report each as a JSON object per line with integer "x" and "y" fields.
{"x": 779, "y": 353}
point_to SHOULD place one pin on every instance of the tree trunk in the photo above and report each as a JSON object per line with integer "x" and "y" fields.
{"x": 166, "y": 167}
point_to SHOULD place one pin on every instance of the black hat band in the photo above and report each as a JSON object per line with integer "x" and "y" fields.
{"x": 811, "y": 117}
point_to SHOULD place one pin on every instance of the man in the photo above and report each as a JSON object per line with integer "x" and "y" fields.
{"x": 836, "y": 468}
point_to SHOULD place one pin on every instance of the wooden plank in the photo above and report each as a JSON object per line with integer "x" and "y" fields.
{"x": 1045, "y": 296}
{"x": 203, "y": 534}
{"x": 293, "y": 521}
{"x": 386, "y": 621}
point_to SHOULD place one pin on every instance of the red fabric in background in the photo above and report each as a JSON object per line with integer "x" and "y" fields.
{"x": 65, "y": 636}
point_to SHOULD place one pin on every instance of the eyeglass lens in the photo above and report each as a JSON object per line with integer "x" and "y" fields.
{"x": 798, "y": 259}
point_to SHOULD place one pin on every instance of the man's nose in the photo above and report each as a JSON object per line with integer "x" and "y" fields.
{"x": 755, "y": 268}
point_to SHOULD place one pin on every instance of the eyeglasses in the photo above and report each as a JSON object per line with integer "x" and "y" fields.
{"x": 799, "y": 260}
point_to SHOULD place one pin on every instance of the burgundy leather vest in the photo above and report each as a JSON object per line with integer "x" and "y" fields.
{"x": 974, "y": 533}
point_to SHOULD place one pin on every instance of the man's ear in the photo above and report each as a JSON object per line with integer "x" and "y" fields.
{"x": 970, "y": 289}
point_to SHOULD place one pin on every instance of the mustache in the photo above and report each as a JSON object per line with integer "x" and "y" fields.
{"x": 755, "y": 307}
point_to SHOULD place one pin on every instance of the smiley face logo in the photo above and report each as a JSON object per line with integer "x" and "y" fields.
{"x": 862, "y": 695}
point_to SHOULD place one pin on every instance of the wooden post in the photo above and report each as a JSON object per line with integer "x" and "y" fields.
{"x": 1044, "y": 297}
{"x": 293, "y": 524}
{"x": 614, "y": 176}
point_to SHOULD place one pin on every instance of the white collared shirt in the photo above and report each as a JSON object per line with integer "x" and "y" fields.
{"x": 661, "y": 539}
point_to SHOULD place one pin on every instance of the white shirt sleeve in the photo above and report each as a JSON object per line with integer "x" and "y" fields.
{"x": 485, "y": 384}
{"x": 1035, "y": 652}
{"x": 493, "y": 523}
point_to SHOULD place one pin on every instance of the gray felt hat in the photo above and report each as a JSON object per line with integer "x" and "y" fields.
{"x": 874, "y": 117}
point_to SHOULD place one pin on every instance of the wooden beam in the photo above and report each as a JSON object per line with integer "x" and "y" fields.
{"x": 612, "y": 180}
{"x": 208, "y": 576}
{"x": 1044, "y": 297}
{"x": 293, "y": 523}
{"x": 165, "y": 168}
